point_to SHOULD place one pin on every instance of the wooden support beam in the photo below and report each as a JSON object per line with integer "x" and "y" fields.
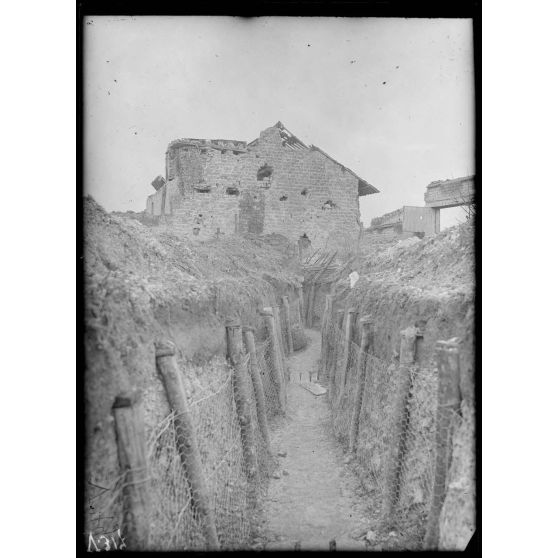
{"x": 235, "y": 356}
{"x": 280, "y": 337}
{"x": 288, "y": 331}
{"x": 449, "y": 400}
{"x": 250, "y": 344}
{"x": 349, "y": 324}
{"x": 399, "y": 430}
{"x": 130, "y": 439}
{"x": 365, "y": 347}
{"x": 186, "y": 441}
{"x": 276, "y": 362}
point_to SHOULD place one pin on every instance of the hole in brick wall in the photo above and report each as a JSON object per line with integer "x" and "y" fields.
{"x": 283, "y": 198}
{"x": 223, "y": 151}
{"x": 204, "y": 150}
{"x": 304, "y": 192}
{"x": 232, "y": 191}
{"x": 304, "y": 242}
{"x": 328, "y": 205}
{"x": 264, "y": 171}
{"x": 236, "y": 152}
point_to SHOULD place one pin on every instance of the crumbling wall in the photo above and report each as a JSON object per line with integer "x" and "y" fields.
{"x": 450, "y": 193}
{"x": 267, "y": 188}
{"x": 391, "y": 219}
{"x": 309, "y": 195}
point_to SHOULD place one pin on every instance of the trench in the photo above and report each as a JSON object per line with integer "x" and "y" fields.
{"x": 315, "y": 499}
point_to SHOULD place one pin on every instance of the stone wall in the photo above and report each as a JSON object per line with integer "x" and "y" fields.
{"x": 450, "y": 193}
{"x": 213, "y": 188}
{"x": 392, "y": 218}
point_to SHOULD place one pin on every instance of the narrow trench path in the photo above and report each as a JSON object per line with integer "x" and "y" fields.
{"x": 315, "y": 499}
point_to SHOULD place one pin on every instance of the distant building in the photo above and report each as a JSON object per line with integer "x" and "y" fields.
{"x": 275, "y": 184}
{"x": 425, "y": 221}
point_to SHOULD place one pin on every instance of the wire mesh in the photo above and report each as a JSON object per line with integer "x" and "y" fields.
{"x": 402, "y": 431}
{"x": 175, "y": 523}
{"x": 332, "y": 357}
{"x": 104, "y": 511}
{"x": 375, "y": 423}
{"x": 176, "y": 517}
{"x": 416, "y": 470}
{"x": 345, "y": 395}
{"x": 271, "y": 392}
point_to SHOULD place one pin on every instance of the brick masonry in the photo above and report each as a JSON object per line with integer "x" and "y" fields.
{"x": 212, "y": 188}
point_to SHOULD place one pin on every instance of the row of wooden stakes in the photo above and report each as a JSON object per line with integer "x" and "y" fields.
{"x": 241, "y": 355}
{"x": 448, "y": 401}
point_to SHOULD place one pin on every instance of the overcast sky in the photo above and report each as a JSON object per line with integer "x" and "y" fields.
{"x": 392, "y": 99}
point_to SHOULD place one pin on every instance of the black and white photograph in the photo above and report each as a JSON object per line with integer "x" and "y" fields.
{"x": 280, "y": 239}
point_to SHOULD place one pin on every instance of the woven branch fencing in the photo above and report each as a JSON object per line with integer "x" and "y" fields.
{"x": 196, "y": 480}
{"x": 398, "y": 427}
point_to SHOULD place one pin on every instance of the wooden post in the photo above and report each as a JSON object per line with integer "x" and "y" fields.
{"x": 349, "y": 324}
{"x": 276, "y": 364}
{"x": 397, "y": 449}
{"x": 130, "y": 438}
{"x": 337, "y": 346}
{"x": 248, "y": 334}
{"x": 279, "y": 330}
{"x": 356, "y": 337}
{"x": 186, "y": 441}
{"x": 365, "y": 346}
{"x": 300, "y": 293}
{"x": 326, "y": 326}
{"x": 310, "y": 307}
{"x": 289, "y": 332}
{"x": 340, "y": 318}
{"x": 447, "y": 356}
{"x": 298, "y": 314}
{"x": 235, "y": 356}
{"x": 332, "y": 337}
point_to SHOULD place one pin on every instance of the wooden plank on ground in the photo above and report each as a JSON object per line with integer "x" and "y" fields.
{"x": 313, "y": 388}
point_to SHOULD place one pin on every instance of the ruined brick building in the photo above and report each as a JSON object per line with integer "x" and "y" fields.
{"x": 275, "y": 184}
{"x": 410, "y": 220}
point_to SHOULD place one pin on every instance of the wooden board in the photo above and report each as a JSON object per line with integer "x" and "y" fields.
{"x": 313, "y": 388}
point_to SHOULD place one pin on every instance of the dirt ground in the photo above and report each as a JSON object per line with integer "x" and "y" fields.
{"x": 315, "y": 499}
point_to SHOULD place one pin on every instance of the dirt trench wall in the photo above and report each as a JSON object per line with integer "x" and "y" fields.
{"x": 120, "y": 352}
{"x": 140, "y": 287}
{"x": 396, "y": 307}
{"x": 441, "y": 314}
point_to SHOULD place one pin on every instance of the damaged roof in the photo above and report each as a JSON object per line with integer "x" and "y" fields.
{"x": 288, "y": 138}
{"x": 292, "y": 142}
